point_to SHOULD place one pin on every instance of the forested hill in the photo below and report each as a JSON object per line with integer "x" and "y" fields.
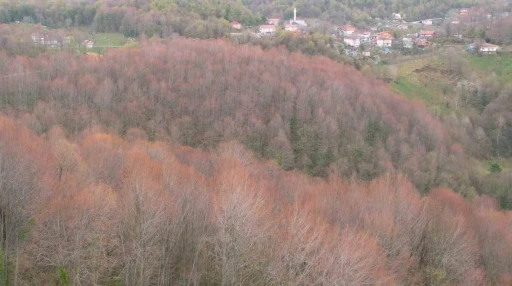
{"x": 357, "y": 11}
{"x": 306, "y": 113}
{"x": 197, "y": 18}
{"x": 158, "y": 16}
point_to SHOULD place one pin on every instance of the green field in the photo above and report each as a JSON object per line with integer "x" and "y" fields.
{"x": 482, "y": 167}
{"x": 500, "y": 64}
{"x": 431, "y": 80}
{"x": 413, "y": 90}
{"x": 109, "y": 39}
{"x": 423, "y": 79}
{"x": 104, "y": 41}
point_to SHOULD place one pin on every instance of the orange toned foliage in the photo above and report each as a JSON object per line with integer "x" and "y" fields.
{"x": 130, "y": 211}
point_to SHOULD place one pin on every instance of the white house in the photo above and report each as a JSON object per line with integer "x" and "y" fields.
{"x": 89, "y": 44}
{"x": 384, "y": 40}
{"x": 274, "y": 21}
{"x": 384, "y": 43}
{"x": 364, "y": 36}
{"x": 50, "y": 41}
{"x": 291, "y": 28}
{"x": 397, "y": 16}
{"x": 407, "y": 42}
{"x": 299, "y": 22}
{"x": 487, "y": 48}
{"x": 427, "y": 22}
{"x": 267, "y": 29}
{"x": 352, "y": 41}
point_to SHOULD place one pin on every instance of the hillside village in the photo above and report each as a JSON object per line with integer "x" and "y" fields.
{"x": 395, "y": 35}
{"x": 255, "y": 142}
{"x": 472, "y": 29}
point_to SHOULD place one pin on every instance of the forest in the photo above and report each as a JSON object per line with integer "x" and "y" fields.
{"x": 359, "y": 11}
{"x": 198, "y": 162}
{"x": 100, "y": 209}
{"x": 184, "y": 157}
{"x": 310, "y": 114}
{"x": 208, "y": 19}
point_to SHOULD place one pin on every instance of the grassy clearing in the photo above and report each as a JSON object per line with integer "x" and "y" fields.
{"x": 423, "y": 79}
{"x": 109, "y": 39}
{"x": 482, "y": 167}
{"x": 104, "y": 41}
{"x": 500, "y": 64}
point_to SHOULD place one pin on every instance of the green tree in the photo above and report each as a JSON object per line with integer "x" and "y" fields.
{"x": 495, "y": 168}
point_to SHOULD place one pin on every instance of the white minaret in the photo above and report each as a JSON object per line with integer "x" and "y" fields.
{"x": 294, "y": 14}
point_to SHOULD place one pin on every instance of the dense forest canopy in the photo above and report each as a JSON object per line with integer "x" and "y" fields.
{"x": 134, "y": 17}
{"x": 99, "y": 209}
{"x": 311, "y": 114}
{"x": 358, "y": 11}
{"x": 176, "y": 161}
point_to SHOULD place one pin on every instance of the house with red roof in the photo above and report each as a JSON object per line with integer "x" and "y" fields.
{"x": 427, "y": 34}
{"x": 267, "y": 29}
{"x": 236, "y": 25}
{"x": 347, "y": 30}
{"x": 384, "y": 40}
{"x": 273, "y": 21}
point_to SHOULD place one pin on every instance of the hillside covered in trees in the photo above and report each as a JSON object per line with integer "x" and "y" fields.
{"x": 161, "y": 18}
{"x": 310, "y": 114}
{"x": 180, "y": 161}
{"x": 208, "y": 19}
{"x": 98, "y": 209}
{"x": 358, "y": 11}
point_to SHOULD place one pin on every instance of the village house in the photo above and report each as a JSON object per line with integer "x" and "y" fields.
{"x": 397, "y": 16}
{"x": 291, "y": 28}
{"x": 352, "y": 41}
{"x": 88, "y": 44}
{"x": 422, "y": 43}
{"x": 347, "y": 30}
{"x": 299, "y": 22}
{"x": 427, "y": 34}
{"x": 236, "y": 25}
{"x": 427, "y": 22}
{"x": 273, "y": 21}
{"x": 267, "y": 29}
{"x": 50, "y": 41}
{"x": 488, "y": 49}
{"x": 384, "y": 40}
{"x": 364, "y": 36}
{"x": 407, "y": 42}
{"x": 484, "y": 48}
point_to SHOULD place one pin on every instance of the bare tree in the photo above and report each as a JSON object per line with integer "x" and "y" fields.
{"x": 500, "y": 123}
